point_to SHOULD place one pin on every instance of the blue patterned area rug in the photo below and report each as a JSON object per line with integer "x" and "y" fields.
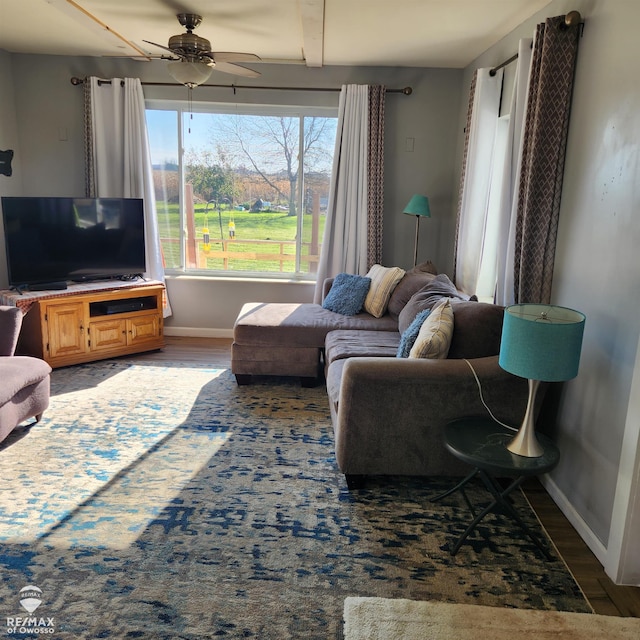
{"x": 160, "y": 500}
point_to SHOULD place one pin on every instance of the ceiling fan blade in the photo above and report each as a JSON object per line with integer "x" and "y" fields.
{"x": 231, "y": 56}
{"x": 145, "y": 58}
{"x": 171, "y": 51}
{"x": 236, "y": 69}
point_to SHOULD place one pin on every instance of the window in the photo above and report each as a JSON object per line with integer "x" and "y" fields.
{"x": 241, "y": 189}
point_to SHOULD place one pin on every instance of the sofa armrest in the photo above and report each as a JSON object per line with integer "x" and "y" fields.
{"x": 391, "y": 412}
{"x": 10, "y": 323}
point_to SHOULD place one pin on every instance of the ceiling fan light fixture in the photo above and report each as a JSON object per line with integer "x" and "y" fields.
{"x": 190, "y": 74}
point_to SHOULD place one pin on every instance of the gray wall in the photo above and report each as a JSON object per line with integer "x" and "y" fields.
{"x": 597, "y": 268}
{"x": 9, "y": 185}
{"x": 50, "y": 145}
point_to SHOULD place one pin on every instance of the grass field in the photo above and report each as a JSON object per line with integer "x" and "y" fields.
{"x": 257, "y": 237}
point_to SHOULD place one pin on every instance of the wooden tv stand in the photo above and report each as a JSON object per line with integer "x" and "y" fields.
{"x": 83, "y": 324}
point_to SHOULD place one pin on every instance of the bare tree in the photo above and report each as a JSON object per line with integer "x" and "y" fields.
{"x": 271, "y": 145}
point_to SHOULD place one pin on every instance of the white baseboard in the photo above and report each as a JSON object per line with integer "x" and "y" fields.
{"x": 198, "y": 332}
{"x": 593, "y": 542}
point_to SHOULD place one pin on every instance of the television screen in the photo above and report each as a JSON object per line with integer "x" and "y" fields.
{"x": 72, "y": 239}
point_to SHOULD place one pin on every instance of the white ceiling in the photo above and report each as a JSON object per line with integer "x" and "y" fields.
{"x": 411, "y": 33}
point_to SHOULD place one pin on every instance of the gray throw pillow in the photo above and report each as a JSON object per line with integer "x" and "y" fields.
{"x": 440, "y": 287}
{"x": 411, "y": 283}
{"x": 347, "y": 294}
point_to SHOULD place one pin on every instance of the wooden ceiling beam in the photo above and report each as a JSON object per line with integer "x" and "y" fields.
{"x": 312, "y": 15}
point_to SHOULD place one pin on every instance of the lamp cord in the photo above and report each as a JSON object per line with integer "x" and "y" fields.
{"x": 486, "y": 406}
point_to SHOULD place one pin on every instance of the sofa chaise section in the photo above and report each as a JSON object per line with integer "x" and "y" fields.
{"x": 287, "y": 339}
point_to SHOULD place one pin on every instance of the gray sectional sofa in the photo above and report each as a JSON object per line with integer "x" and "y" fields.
{"x": 388, "y": 412}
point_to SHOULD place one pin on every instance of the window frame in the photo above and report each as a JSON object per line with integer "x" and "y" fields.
{"x": 182, "y": 108}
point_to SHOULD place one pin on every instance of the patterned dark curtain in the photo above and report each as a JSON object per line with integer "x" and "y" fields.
{"x": 89, "y": 173}
{"x": 467, "y": 132}
{"x": 375, "y": 195}
{"x": 545, "y": 141}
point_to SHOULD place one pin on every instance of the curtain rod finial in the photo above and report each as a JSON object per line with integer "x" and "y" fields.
{"x": 572, "y": 18}
{"x": 76, "y": 81}
{"x": 407, "y": 91}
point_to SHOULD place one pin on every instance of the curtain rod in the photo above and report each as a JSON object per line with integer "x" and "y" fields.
{"x": 573, "y": 17}
{"x": 407, "y": 91}
{"x": 493, "y": 71}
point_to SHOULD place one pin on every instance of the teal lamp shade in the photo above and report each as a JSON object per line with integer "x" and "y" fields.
{"x": 418, "y": 206}
{"x": 542, "y": 343}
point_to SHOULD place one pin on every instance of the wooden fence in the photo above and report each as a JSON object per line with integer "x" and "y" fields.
{"x": 227, "y": 249}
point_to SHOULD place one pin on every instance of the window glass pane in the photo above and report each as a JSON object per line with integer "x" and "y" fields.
{"x": 319, "y": 140}
{"x": 163, "y": 141}
{"x": 250, "y": 181}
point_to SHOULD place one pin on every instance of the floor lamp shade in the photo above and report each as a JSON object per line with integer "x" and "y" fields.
{"x": 542, "y": 343}
{"x": 418, "y": 206}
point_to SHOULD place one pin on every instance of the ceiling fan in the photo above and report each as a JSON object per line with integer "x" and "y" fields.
{"x": 193, "y": 59}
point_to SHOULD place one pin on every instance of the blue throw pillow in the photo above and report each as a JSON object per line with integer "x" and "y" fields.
{"x": 410, "y": 334}
{"x": 347, "y": 294}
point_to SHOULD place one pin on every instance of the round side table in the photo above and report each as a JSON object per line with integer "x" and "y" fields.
{"x": 482, "y": 443}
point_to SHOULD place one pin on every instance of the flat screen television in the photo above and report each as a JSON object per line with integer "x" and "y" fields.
{"x": 52, "y": 240}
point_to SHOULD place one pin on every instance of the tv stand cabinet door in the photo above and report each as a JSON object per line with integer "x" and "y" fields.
{"x": 66, "y": 333}
{"x": 144, "y": 330}
{"x": 107, "y": 335}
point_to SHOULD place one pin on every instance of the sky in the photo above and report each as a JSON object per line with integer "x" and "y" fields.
{"x": 163, "y": 134}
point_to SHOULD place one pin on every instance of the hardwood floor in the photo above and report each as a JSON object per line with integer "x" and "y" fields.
{"x": 604, "y": 596}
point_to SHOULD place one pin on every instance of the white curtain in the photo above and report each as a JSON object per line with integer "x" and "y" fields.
{"x": 477, "y": 203}
{"x": 510, "y": 177}
{"x": 344, "y": 247}
{"x": 121, "y": 160}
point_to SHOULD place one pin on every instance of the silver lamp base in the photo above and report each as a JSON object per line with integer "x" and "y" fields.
{"x": 525, "y": 443}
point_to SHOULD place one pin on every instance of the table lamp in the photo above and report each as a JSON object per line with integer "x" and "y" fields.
{"x": 418, "y": 206}
{"x": 542, "y": 343}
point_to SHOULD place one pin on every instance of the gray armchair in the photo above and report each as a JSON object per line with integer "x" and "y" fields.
{"x": 24, "y": 381}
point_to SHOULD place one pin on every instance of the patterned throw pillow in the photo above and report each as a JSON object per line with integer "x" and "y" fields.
{"x": 434, "y": 338}
{"x": 347, "y": 294}
{"x": 408, "y": 338}
{"x": 383, "y": 282}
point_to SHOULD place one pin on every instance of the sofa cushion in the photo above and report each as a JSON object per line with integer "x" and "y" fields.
{"x": 477, "y": 330}
{"x": 434, "y": 337}
{"x": 440, "y": 287}
{"x": 266, "y": 324}
{"x": 408, "y": 338}
{"x": 347, "y": 294}
{"x": 353, "y": 344}
{"x": 383, "y": 282}
{"x": 411, "y": 283}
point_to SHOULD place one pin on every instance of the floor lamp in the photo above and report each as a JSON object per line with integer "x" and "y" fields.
{"x": 418, "y": 206}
